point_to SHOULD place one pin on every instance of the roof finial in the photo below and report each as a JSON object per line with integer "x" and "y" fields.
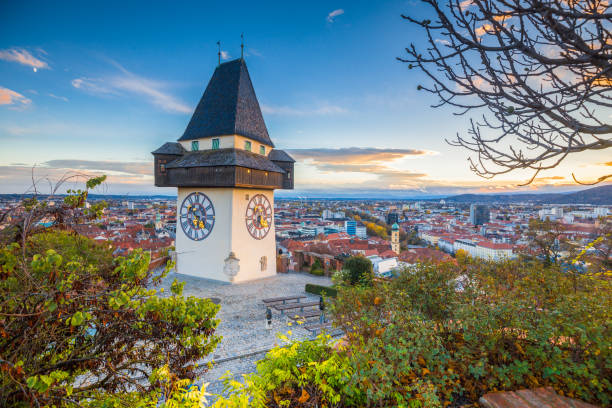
{"x": 219, "y": 51}
{"x": 241, "y": 45}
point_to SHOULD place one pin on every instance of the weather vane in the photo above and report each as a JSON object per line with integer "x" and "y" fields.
{"x": 241, "y": 45}
{"x": 219, "y": 51}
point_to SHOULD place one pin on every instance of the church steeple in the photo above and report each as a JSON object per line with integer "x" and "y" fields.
{"x": 229, "y": 106}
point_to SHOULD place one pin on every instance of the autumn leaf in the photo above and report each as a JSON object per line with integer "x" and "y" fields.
{"x": 304, "y": 397}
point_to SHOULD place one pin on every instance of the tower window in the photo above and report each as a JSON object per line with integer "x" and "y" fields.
{"x": 215, "y": 144}
{"x": 162, "y": 166}
{"x": 247, "y": 146}
{"x": 262, "y": 150}
{"x": 195, "y": 146}
{"x": 288, "y": 174}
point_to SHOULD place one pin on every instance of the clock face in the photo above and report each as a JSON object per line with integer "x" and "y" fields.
{"x": 259, "y": 216}
{"x": 197, "y": 216}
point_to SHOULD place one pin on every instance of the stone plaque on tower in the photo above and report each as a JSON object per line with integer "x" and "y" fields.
{"x": 225, "y": 168}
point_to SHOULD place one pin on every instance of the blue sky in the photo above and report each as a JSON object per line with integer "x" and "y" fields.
{"x": 96, "y": 87}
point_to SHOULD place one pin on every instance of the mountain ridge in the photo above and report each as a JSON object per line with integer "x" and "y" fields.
{"x": 601, "y": 195}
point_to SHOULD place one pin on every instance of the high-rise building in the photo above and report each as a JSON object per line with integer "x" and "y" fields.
{"x": 225, "y": 168}
{"x": 350, "y": 227}
{"x": 361, "y": 231}
{"x": 392, "y": 218}
{"x": 479, "y": 214}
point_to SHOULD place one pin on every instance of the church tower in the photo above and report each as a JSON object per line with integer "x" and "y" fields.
{"x": 395, "y": 244}
{"x": 225, "y": 168}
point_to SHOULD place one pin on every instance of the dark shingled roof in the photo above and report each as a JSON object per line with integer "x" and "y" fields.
{"x": 225, "y": 157}
{"x": 280, "y": 156}
{"x": 229, "y": 106}
{"x": 170, "y": 148}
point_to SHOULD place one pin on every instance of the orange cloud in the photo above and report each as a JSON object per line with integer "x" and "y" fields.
{"x": 23, "y": 57}
{"x": 9, "y": 97}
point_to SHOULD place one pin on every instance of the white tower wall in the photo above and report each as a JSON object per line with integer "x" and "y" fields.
{"x": 206, "y": 258}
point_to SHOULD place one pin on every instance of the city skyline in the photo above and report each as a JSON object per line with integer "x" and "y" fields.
{"x": 95, "y": 89}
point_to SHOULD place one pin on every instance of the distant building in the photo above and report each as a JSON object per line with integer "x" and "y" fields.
{"x": 479, "y": 214}
{"x": 350, "y": 227}
{"x": 158, "y": 222}
{"x": 382, "y": 266}
{"x": 484, "y": 249}
{"x": 332, "y": 215}
{"x": 392, "y": 218}
{"x": 395, "y": 244}
{"x": 361, "y": 231}
{"x": 554, "y": 213}
{"x": 601, "y": 212}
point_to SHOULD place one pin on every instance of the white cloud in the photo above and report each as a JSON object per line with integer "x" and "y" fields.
{"x": 23, "y": 57}
{"x": 290, "y": 111}
{"x": 331, "y": 16}
{"x": 225, "y": 55}
{"x": 10, "y": 97}
{"x": 153, "y": 91}
{"x": 253, "y": 51}
{"x": 445, "y": 42}
{"x": 61, "y": 98}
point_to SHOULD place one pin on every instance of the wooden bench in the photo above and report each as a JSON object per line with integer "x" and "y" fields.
{"x": 305, "y": 315}
{"x": 284, "y": 299}
{"x": 317, "y": 327}
{"x": 295, "y": 305}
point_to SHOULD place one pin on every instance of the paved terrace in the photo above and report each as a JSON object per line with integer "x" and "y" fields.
{"x": 242, "y": 314}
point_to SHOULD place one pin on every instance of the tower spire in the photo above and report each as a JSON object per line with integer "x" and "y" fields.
{"x": 241, "y": 45}
{"x": 219, "y": 52}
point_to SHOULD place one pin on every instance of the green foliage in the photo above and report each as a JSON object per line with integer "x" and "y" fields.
{"x": 357, "y": 271}
{"x": 320, "y": 290}
{"x": 546, "y": 240}
{"x": 79, "y": 326}
{"x": 417, "y": 341}
{"x": 316, "y": 268}
{"x": 512, "y": 326}
{"x": 306, "y": 372}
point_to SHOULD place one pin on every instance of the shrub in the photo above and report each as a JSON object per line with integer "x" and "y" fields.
{"x": 316, "y": 268}
{"x": 320, "y": 290}
{"x": 513, "y": 326}
{"x": 305, "y": 373}
{"x": 357, "y": 271}
{"x": 317, "y": 272}
{"x": 80, "y": 327}
{"x": 418, "y": 342}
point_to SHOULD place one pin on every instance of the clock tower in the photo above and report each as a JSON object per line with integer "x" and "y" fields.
{"x": 225, "y": 168}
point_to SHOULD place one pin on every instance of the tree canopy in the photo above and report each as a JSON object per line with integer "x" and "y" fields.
{"x": 79, "y": 326}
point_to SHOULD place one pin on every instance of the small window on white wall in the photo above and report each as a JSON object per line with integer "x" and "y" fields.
{"x": 264, "y": 263}
{"x": 247, "y": 145}
{"x": 195, "y": 146}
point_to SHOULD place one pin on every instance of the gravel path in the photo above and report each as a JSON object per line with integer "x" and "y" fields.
{"x": 242, "y": 314}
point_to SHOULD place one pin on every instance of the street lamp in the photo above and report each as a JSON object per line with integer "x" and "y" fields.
{"x": 268, "y": 318}
{"x": 322, "y": 309}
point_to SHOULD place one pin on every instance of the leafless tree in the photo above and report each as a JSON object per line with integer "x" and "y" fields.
{"x": 541, "y": 68}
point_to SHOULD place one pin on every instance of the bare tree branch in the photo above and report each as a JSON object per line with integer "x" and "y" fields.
{"x": 541, "y": 68}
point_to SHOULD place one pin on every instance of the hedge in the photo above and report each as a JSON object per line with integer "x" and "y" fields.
{"x": 321, "y": 290}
